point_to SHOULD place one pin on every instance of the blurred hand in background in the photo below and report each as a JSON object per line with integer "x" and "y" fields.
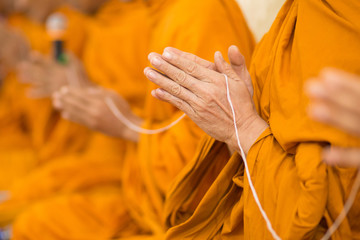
{"x": 335, "y": 100}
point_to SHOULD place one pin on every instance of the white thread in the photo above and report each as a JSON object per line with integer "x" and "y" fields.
{"x": 338, "y": 220}
{"x": 110, "y": 103}
{"x": 73, "y": 79}
{"x": 263, "y": 213}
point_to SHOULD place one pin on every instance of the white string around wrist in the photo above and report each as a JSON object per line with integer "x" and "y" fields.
{"x": 339, "y": 219}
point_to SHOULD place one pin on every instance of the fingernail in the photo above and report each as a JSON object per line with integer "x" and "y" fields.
{"x": 153, "y": 93}
{"x": 159, "y": 92}
{"x": 167, "y": 55}
{"x": 235, "y": 47}
{"x": 149, "y": 56}
{"x": 152, "y": 74}
{"x": 219, "y": 55}
{"x": 156, "y": 61}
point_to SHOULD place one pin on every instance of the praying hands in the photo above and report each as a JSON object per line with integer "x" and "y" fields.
{"x": 198, "y": 88}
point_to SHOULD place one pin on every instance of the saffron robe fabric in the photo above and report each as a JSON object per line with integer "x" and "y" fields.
{"x": 32, "y": 131}
{"x": 300, "y": 194}
{"x": 157, "y": 158}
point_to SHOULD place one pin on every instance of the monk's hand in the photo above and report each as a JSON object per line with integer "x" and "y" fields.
{"x": 335, "y": 100}
{"x": 88, "y": 106}
{"x": 194, "y": 87}
{"x": 343, "y": 157}
{"x": 47, "y": 76}
{"x": 44, "y": 75}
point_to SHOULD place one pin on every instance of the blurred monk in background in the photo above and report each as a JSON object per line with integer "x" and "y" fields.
{"x": 32, "y": 132}
{"x": 95, "y": 170}
{"x": 142, "y": 166}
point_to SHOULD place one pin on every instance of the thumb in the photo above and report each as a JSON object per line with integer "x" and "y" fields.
{"x": 238, "y": 63}
{"x": 224, "y": 67}
{"x": 237, "y": 60}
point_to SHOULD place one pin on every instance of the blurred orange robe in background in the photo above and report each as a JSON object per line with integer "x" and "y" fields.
{"x": 300, "y": 194}
{"x": 32, "y": 132}
{"x": 90, "y": 181}
{"x": 147, "y": 169}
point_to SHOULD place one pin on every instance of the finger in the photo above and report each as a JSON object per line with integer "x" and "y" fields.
{"x": 174, "y": 73}
{"x": 339, "y": 97}
{"x": 170, "y": 86}
{"x": 189, "y": 67}
{"x": 238, "y": 64}
{"x": 336, "y": 79}
{"x": 237, "y": 60}
{"x": 342, "y": 88}
{"x": 191, "y": 57}
{"x": 80, "y": 95}
{"x": 38, "y": 92}
{"x": 68, "y": 98}
{"x": 335, "y": 116}
{"x": 342, "y": 157}
{"x": 224, "y": 67}
{"x": 177, "y": 102}
{"x": 74, "y": 116}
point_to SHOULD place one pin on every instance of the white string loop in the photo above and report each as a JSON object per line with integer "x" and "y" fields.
{"x": 74, "y": 80}
{"x": 118, "y": 114}
{"x": 339, "y": 219}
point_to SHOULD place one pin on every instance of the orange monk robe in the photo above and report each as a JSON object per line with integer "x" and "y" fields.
{"x": 300, "y": 194}
{"x": 51, "y": 136}
{"x": 31, "y": 130}
{"x": 146, "y": 219}
{"x": 115, "y": 57}
{"x": 107, "y": 65}
{"x": 200, "y": 27}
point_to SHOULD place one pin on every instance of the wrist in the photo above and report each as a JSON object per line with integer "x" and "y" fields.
{"x": 248, "y": 132}
{"x": 130, "y": 134}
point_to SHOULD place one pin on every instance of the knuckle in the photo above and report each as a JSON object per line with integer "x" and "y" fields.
{"x": 191, "y": 68}
{"x": 180, "y": 77}
{"x": 176, "y": 89}
{"x": 228, "y": 70}
{"x": 179, "y": 104}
